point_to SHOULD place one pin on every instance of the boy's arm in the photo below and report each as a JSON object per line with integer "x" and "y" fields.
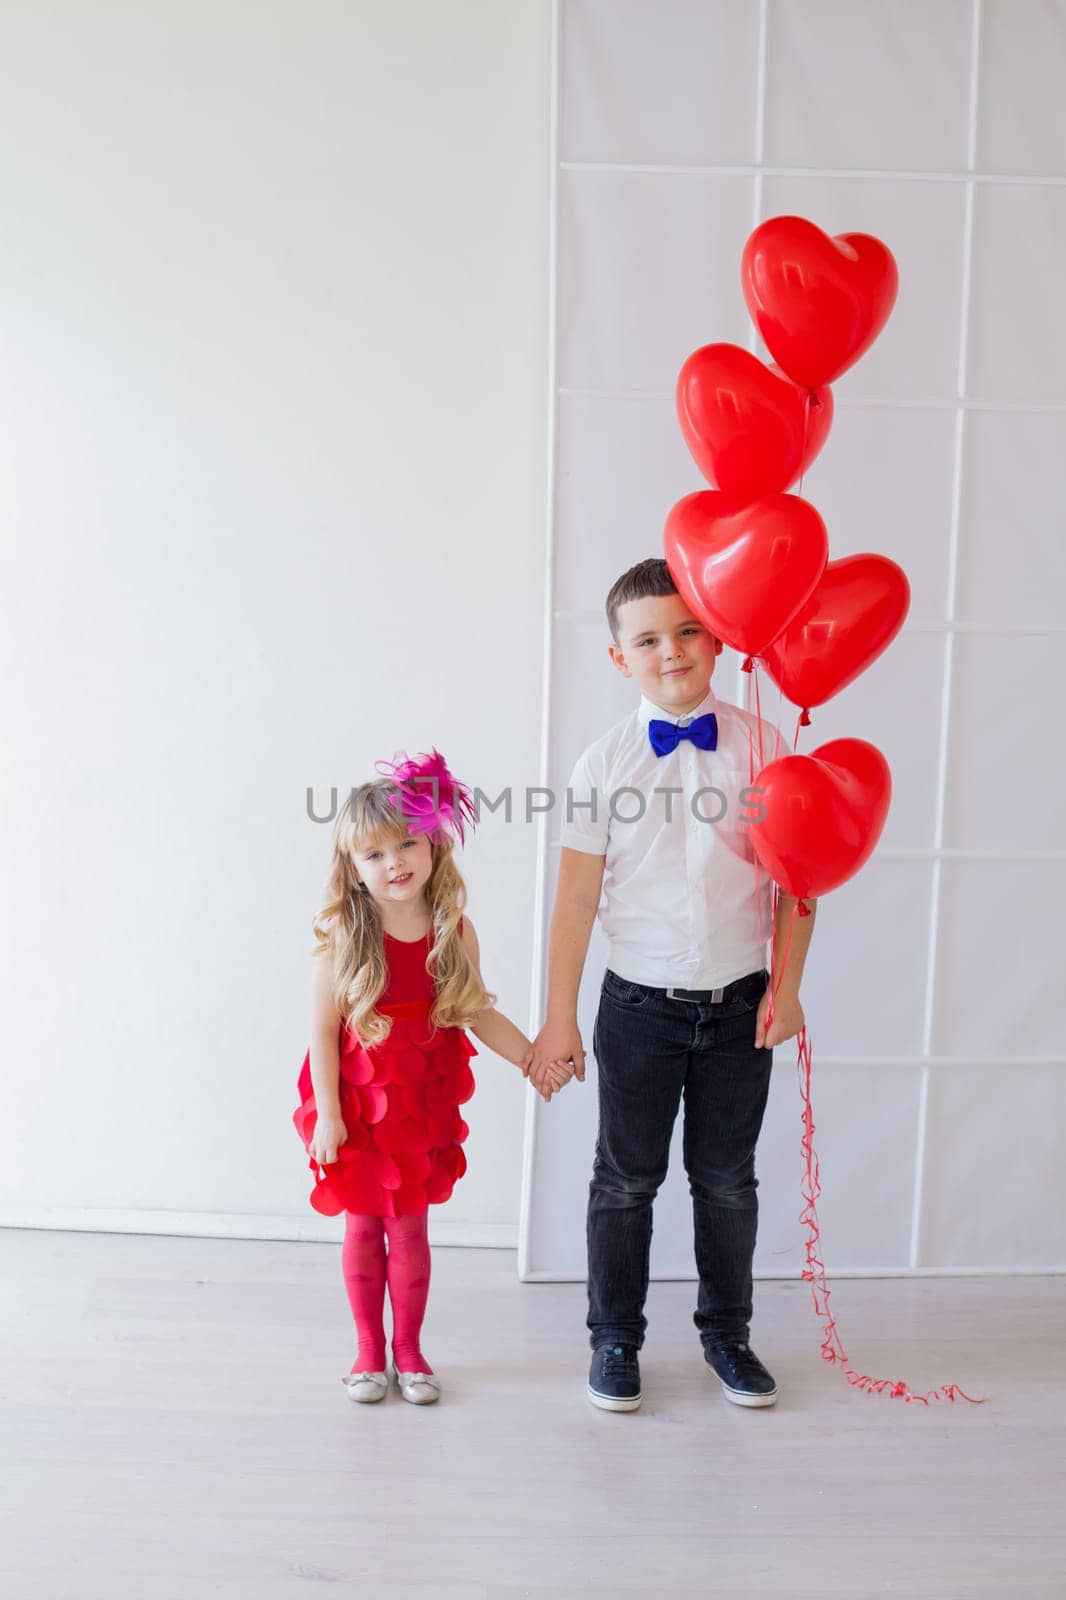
{"x": 788, "y": 1017}
{"x": 577, "y": 899}
{"x": 490, "y": 1025}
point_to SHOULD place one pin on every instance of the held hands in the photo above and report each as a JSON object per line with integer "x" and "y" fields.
{"x": 547, "y": 1077}
{"x": 788, "y": 1019}
{"x": 557, "y": 1056}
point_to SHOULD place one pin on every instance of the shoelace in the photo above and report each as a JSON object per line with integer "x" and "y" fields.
{"x": 619, "y": 1364}
{"x": 744, "y": 1360}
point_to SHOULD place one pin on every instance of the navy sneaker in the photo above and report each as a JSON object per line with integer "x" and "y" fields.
{"x": 744, "y": 1378}
{"x": 614, "y": 1378}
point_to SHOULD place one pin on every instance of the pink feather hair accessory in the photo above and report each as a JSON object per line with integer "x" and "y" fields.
{"x": 429, "y": 796}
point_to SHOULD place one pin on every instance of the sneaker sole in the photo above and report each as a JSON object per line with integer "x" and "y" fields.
{"x": 608, "y": 1402}
{"x": 739, "y": 1398}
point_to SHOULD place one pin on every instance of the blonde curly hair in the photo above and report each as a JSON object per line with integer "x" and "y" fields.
{"x": 349, "y": 924}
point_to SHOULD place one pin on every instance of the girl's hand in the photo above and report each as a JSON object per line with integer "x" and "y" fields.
{"x": 543, "y": 1089}
{"x": 524, "y": 1068}
{"x": 550, "y": 1076}
{"x": 329, "y": 1134}
{"x": 559, "y": 1073}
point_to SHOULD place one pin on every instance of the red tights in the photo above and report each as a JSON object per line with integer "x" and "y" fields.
{"x": 367, "y": 1268}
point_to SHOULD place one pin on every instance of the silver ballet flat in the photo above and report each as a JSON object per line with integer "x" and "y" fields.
{"x": 366, "y": 1387}
{"x": 420, "y": 1388}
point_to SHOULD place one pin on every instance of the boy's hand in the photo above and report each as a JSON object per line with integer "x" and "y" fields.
{"x": 788, "y": 1019}
{"x": 559, "y": 1041}
{"x": 551, "y": 1076}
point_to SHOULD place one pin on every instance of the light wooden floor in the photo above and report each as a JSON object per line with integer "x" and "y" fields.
{"x": 173, "y": 1426}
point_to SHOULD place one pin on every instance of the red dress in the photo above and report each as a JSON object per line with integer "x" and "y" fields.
{"x": 399, "y": 1102}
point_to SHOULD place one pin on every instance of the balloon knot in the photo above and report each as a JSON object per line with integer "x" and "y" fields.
{"x": 804, "y": 909}
{"x": 805, "y": 719}
{"x": 816, "y": 404}
{"x": 747, "y": 664}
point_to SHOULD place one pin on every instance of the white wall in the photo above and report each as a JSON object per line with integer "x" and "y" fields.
{"x": 272, "y": 345}
{"x": 934, "y": 988}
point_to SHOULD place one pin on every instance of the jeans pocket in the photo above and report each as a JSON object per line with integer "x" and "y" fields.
{"x": 749, "y": 996}
{"x": 630, "y": 996}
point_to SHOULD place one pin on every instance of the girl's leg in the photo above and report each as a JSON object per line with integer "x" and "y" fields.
{"x": 363, "y": 1265}
{"x": 408, "y": 1279}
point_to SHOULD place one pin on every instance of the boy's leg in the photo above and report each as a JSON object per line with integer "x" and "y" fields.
{"x": 641, "y": 1046}
{"x": 726, "y": 1089}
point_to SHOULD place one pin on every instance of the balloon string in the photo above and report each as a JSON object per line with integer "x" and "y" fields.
{"x": 807, "y": 398}
{"x": 814, "y": 1268}
{"x": 757, "y": 867}
{"x": 775, "y": 978}
{"x": 758, "y": 713}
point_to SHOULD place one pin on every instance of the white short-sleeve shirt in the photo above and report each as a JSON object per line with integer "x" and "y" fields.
{"x": 685, "y": 903}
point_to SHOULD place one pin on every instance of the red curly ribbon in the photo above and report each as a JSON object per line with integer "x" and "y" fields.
{"x": 814, "y": 1268}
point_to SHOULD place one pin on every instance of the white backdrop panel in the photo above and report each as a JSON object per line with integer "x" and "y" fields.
{"x": 1022, "y": 126}
{"x": 633, "y": 90}
{"x": 933, "y": 992}
{"x": 863, "y": 85}
{"x": 1018, "y": 330}
{"x": 1012, "y": 490}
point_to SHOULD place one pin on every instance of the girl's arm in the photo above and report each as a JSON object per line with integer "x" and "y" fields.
{"x": 325, "y": 1061}
{"x": 490, "y": 1025}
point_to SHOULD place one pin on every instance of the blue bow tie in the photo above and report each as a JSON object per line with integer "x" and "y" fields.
{"x": 666, "y": 736}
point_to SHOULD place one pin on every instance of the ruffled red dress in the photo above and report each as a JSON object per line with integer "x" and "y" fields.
{"x": 399, "y": 1101}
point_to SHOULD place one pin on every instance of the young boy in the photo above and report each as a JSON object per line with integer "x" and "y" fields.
{"x": 682, "y": 1011}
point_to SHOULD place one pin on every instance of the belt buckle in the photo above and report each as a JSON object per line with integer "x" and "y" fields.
{"x": 717, "y": 995}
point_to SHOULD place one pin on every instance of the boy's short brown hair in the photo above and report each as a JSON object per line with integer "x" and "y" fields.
{"x": 651, "y": 577}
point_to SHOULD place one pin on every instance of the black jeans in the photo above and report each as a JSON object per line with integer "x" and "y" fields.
{"x": 652, "y": 1052}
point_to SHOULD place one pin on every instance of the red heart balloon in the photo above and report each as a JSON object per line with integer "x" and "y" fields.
{"x": 818, "y": 302}
{"x": 822, "y": 815}
{"x": 745, "y": 570}
{"x": 751, "y": 430}
{"x": 854, "y": 614}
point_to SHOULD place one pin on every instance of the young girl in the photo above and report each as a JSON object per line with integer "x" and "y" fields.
{"x": 395, "y": 981}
